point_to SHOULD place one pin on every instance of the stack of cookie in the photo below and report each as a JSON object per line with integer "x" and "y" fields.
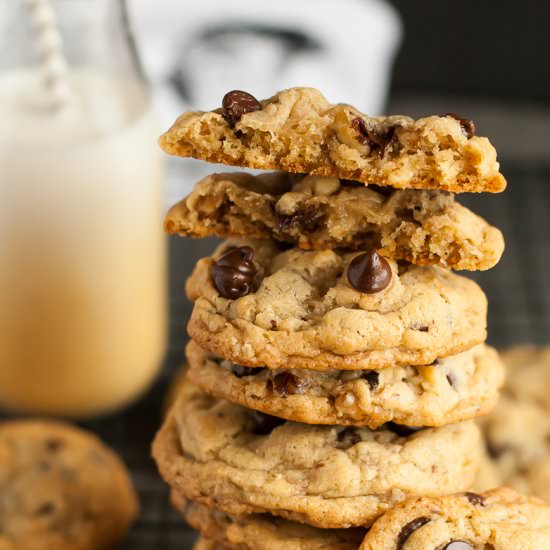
{"x": 336, "y": 362}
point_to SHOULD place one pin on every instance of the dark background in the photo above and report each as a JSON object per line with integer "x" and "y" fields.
{"x": 475, "y": 48}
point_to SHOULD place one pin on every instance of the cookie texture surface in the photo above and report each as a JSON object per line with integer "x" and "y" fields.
{"x": 456, "y": 388}
{"x": 517, "y": 433}
{"x": 203, "y": 543}
{"x": 61, "y": 488}
{"x": 424, "y": 227}
{"x": 297, "y": 130}
{"x": 241, "y": 462}
{"x": 263, "y": 531}
{"x": 301, "y": 311}
{"x": 500, "y": 519}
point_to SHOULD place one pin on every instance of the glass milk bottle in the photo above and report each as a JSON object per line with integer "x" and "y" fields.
{"x": 82, "y": 255}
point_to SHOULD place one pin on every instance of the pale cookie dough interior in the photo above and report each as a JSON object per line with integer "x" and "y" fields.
{"x": 297, "y": 130}
{"x": 424, "y": 227}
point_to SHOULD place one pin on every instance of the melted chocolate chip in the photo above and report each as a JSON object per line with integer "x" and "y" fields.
{"x": 496, "y": 451}
{"x": 451, "y": 379}
{"x": 375, "y": 140}
{"x": 347, "y": 438}
{"x": 475, "y": 499}
{"x": 369, "y": 272}
{"x": 54, "y": 444}
{"x": 45, "y": 509}
{"x": 239, "y": 370}
{"x": 457, "y": 545}
{"x": 409, "y": 529}
{"x": 237, "y": 103}
{"x": 234, "y": 272}
{"x": 372, "y": 377}
{"x": 286, "y": 383}
{"x": 467, "y": 125}
{"x": 402, "y": 431}
{"x": 264, "y": 424}
{"x": 303, "y": 220}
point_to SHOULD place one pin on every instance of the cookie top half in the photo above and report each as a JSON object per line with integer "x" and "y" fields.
{"x": 61, "y": 488}
{"x": 299, "y": 131}
{"x": 424, "y": 227}
{"x": 500, "y": 519}
{"x": 243, "y": 462}
{"x": 259, "y": 305}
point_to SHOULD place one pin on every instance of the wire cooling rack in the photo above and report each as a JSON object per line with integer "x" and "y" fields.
{"x": 518, "y": 290}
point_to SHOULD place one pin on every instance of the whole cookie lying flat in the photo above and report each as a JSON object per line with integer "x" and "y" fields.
{"x": 297, "y": 130}
{"x": 496, "y": 520}
{"x": 263, "y": 531}
{"x": 517, "y": 433}
{"x": 241, "y": 462}
{"x": 314, "y": 212}
{"x": 259, "y": 306}
{"x": 61, "y": 488}
{"x": 456, "y": 388}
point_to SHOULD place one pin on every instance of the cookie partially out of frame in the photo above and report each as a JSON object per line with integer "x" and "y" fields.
{"x": 61, "y": 488}
{"x": 423, "y": 227}
{"x": 242, "y": 462}
{"x": 517, "y": 432}
{"x": 500, "y": 519}
{"x": 298, "y": 309}
{"x": 456, "y": 388}
{"x": 297, "y": 130}
{"x": 263, "y": 531}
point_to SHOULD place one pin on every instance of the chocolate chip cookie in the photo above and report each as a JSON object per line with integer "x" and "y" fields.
{"x": 203, "y": 543}
{"x": 263, "y": 531}
{"x": 453, "y": 389}
{"x": 297, "y": 130}
{"x": 517, "y": 433}
{"x": 61, "y": 488}
{"x": 500, "y": 519}
{"x": 257, "y": 305}
{"x": 241, "y": 462}
{"x": 423, "y": 227}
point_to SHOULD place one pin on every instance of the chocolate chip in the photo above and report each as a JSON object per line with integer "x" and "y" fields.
{"x": 496, "y": 451}
{"x": 286, "y": 383}
{"x": 264, "y": 424}
{"x": 467, "y": 125}
{"x": 237, "y": 103}
{"x": 372, "y": 377}
{"x": 402, "y": 431}
{"x": 475, "y": 499}
{"x": 375, "y": 140}
{"x": 347, "y": 438}
{"x": 302, "y": 220}
{"x": 457, "y": 545}
{"x": 54, "y": 444}
{"x": 239, "y": 370}
{"x": 409, "y": 529}
{"x": 451, "y": 379}
{"x": 45, "y": 509}
{"x": 234, "y": 272}
{"x": 369, "y": 272}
